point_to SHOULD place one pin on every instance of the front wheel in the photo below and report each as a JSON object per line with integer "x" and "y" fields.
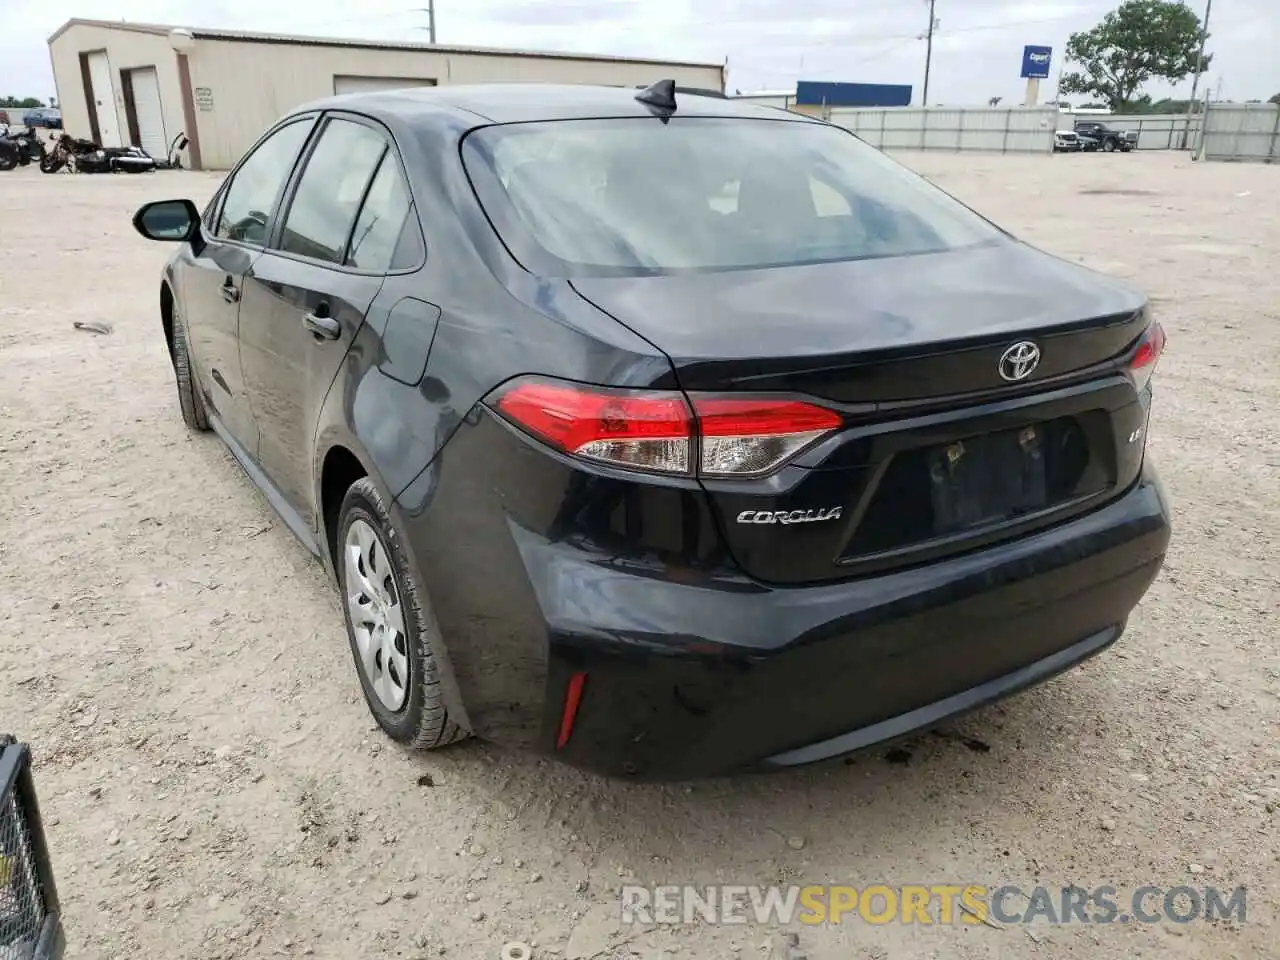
{"x": 189, "y": 399}
{"x": 1109, "y": 146}
{"x": 51, "y": 164}
{"x": 391, "y": 627}
{"x": 8, "y": 160}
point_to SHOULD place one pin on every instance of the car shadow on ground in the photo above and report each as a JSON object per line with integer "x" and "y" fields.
{"x": 833, "y": 820}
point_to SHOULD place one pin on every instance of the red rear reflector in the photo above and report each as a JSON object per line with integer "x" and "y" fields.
{"x": 1145, "y": 357}
{"x": 572, "y": 698}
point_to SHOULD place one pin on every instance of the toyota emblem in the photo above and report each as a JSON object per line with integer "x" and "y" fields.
{"x": 1019, "y": 360}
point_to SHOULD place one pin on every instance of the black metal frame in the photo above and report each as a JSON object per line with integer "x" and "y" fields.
{"x": 16, "y": 780}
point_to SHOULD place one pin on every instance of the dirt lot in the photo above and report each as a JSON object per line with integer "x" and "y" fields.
{"x": 215, "y": 785}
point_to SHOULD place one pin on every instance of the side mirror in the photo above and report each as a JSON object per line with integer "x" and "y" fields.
{"x": 171, "y": 220}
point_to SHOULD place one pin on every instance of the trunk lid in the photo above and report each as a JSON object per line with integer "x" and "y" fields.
{"x": 891, "y": 329}
{"x": 939, "y": 453}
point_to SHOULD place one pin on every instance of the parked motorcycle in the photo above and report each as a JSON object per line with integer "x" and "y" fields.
{"x": 29, "y": 144}
{"x": 18, "y": 147}
{"x": 86, "y": 156}
{"x": 174, "y": 160}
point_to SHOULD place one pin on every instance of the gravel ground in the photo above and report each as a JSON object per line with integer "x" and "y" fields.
{"x": 215, "y": 786}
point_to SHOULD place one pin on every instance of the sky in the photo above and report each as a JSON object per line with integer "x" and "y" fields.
{"x": 769, "y": 44}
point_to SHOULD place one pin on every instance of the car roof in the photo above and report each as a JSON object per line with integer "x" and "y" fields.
{"x": 526, "y": 102}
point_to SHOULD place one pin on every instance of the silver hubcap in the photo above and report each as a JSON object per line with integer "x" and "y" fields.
{"x": 377, "y": 616}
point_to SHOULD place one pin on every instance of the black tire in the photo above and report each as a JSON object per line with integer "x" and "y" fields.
{"x": 189, "y": 398}
{"x": 1109, "y": 146}
{"x": 51, "y": 164}
{"x": 425, "y": 721}
{"x": 8, "y": 160}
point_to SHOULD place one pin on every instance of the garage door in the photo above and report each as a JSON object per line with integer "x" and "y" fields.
{"x": 146, "y": 102}
{"x": 103, "y": 99}
{"x": 367, "y": 84}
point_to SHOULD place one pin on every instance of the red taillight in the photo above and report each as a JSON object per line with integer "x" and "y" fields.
{"x": 646, "y": 430}
{"x": 569, "y": 713}
{"x": 656, "y": 430}
{"x": 746, "y": 437}
{"x": 1143, "y": 363}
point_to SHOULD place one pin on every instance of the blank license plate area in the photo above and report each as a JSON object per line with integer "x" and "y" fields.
{"x": 988, "y": 478}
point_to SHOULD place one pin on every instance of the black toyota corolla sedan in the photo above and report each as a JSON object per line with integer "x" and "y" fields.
{"x": 667, "y": 435}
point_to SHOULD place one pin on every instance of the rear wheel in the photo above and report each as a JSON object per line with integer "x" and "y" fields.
{"x": 189, "y": 398}
{"x": 51, "y": 164}
{"x": 391, "y": 627}
{"x": 8, "y": 159}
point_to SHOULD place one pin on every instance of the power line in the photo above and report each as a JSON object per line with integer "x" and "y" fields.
{"x": 861, "y": 40}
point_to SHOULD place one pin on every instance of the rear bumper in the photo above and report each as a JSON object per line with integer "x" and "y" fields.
{"x": 689, "y": 680}
{"x": 692, "y": 669}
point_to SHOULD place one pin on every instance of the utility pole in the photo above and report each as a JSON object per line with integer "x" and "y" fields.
{"x": 928, "y": 54}
{"x": 430, "y": 11}
{"x": 1195, "y": 80}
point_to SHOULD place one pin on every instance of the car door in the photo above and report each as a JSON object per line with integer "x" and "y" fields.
{"x": 211, "y": 277}
{"x": 307, "y": 296}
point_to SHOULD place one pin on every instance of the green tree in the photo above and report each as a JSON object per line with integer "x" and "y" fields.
{"x": 1144, "y": 104}
{"x": 1275, "y": 98}
{"x": 1140, "y": 40}
{"x": 27, "y": 102}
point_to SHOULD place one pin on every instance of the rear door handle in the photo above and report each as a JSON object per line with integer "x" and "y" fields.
{"x": 229, "y": 291}
{"x": 322, "y": 325}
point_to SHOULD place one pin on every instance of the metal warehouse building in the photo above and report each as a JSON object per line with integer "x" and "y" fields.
{"x": 143, "y": 83}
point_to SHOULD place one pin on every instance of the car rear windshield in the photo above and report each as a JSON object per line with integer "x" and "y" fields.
{"x": 634, "y": 196}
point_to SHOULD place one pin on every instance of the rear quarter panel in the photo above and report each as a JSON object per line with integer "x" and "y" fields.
{"x": 492, "y": 321}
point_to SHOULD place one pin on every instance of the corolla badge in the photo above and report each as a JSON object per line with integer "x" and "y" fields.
{"x": 1019, "y": 360}
{"x": 789, "y": 516}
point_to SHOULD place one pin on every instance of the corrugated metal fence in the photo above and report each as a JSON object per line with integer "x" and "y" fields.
{"x": 987, "y": 129}
{"x": 1241, "y": 131}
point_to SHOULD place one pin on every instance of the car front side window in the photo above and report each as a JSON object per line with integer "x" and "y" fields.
{"x": 328, "y": 195}
{"x": 248, "y": 201}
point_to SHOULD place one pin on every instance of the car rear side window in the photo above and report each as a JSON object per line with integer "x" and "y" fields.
{"x": 328, "y": 195}
{"x": 636, "y": 196}
{"x": 246, "y": 211}
{"x": 386, "y": 235}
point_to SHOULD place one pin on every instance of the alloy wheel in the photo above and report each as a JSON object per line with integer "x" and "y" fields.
{"x": 377, "y": 615}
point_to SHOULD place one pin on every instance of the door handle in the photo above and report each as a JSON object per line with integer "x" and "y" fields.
{"x": 322, "y": 325}
{"x": 229, "y": 291}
